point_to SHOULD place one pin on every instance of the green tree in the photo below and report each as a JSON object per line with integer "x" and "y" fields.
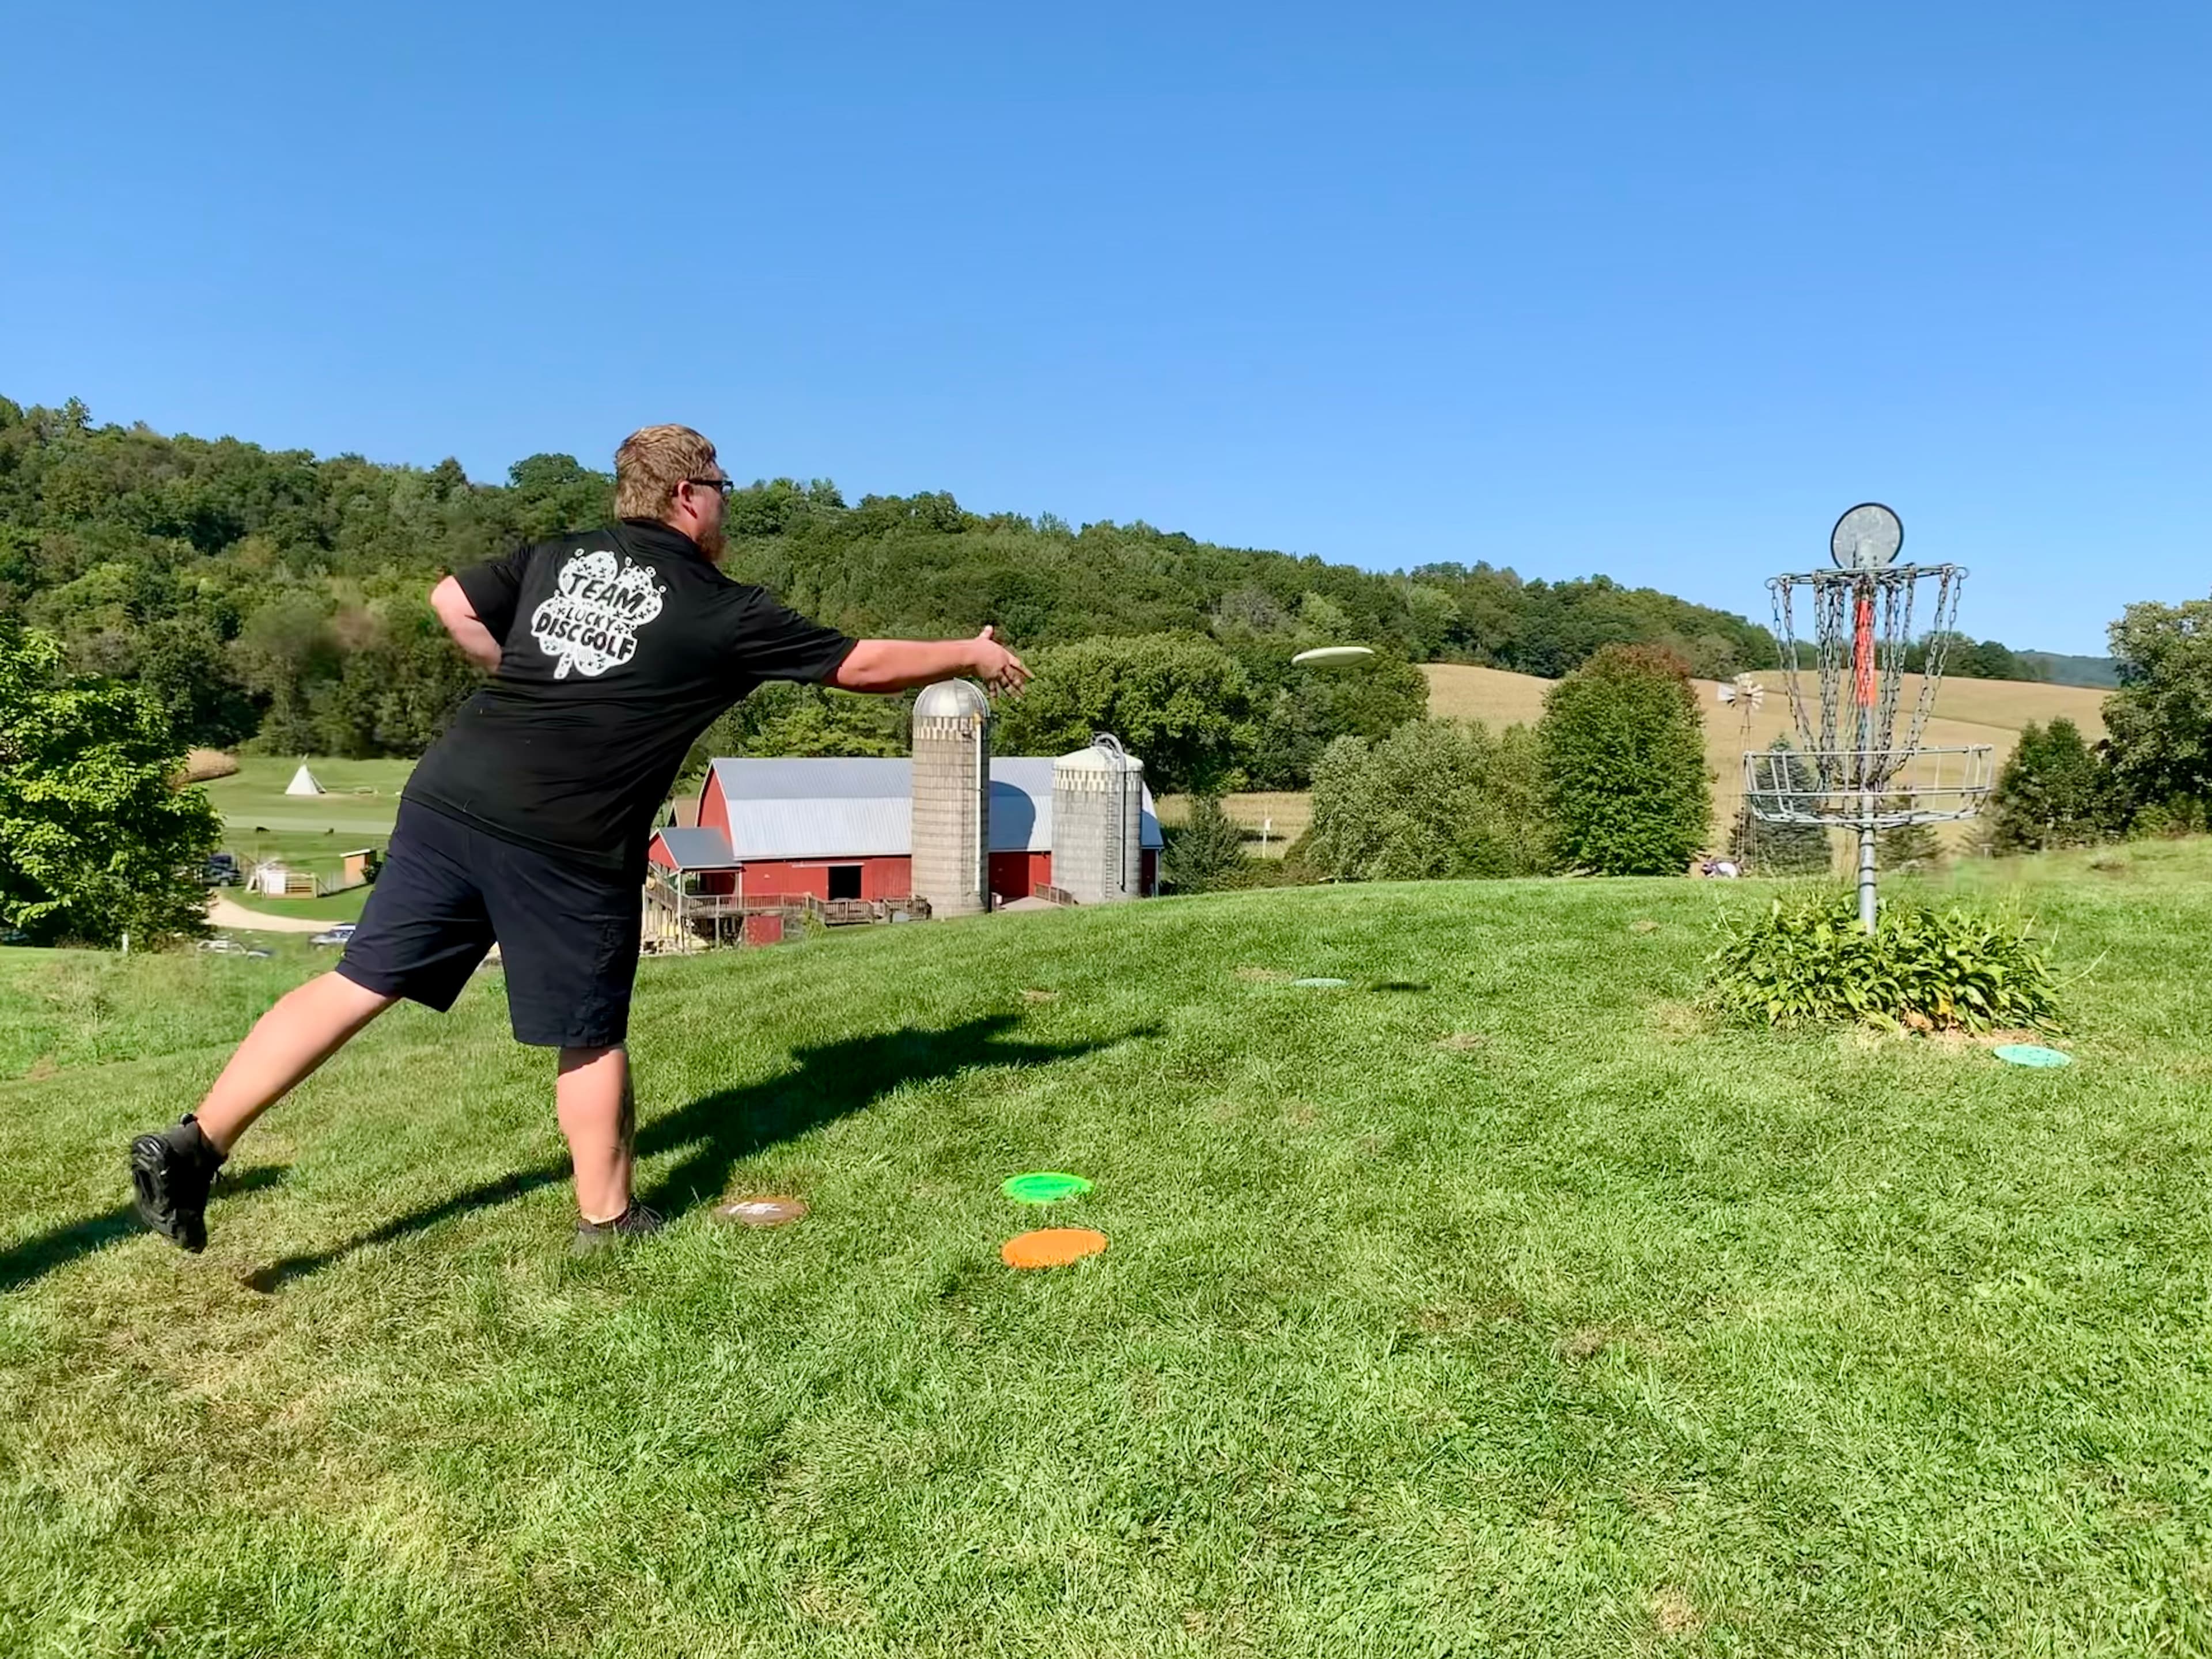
{"x": 1437, "y": 799}
{"x": 1624, "y": 764}
{"x": 1761, "y": 846}
{"x": 1300, "y": 712}
{"x": 1180, "y": 703}
{"x": 425, "y": 677}
{"x": 1205, "y": 852}
{"x": 2158, "y": 726}
{"x": 1909, "y": 847}
{"x": 398, "y": 680}
{"x": 781, "y": 718}
{"x": 557, "y": 493}
{"x": 287, "y": 656}
{"x": 96, "y": 838}
{"x": 1968, "y": 659}
{"x": 182, "y": 665}
{"x": 784, "y": 719}
{"x": 2055, "y": 791}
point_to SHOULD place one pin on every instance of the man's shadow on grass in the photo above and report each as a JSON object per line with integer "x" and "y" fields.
{"x": 35, "y": 1258}
{"x": 718, "y": 1131}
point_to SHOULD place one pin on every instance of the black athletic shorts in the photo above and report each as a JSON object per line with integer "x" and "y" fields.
{"x": 567, "y": 932}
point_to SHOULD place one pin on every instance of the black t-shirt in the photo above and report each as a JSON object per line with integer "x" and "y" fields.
{"x": 620, "y": 647}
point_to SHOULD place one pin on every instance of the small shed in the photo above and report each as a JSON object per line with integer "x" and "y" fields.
{"x": 273, "y": 879}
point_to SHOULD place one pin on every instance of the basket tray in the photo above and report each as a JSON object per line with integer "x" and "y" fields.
{"x": 1867, "y": 789}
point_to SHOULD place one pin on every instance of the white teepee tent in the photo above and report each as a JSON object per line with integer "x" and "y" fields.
{"x": 303, "y": 782}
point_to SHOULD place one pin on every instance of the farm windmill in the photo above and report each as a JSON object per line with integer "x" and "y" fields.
{"x": 1743, "y": 693}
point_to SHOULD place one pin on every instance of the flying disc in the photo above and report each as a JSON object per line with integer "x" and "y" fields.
{"x": 1331, "y": 656}
{"x": 772, "y": 1210}
{"x": 1051, "y": 1247}
{"x": 2030, "y": 1054}
{"x": 1043, "y": 1186}
{"x": 1323, "y": 984}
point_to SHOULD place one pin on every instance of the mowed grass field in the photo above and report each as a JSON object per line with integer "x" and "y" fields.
{"x": 1276, "y": 817}
{"x": 361, "y": 799}
{"x": 1493, "y": 1304}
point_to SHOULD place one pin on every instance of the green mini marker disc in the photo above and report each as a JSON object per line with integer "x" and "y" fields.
{"x": 1323, "y": 984}
{"x": 2030, "y": 1054}
{"x": 1044, "y": 1186}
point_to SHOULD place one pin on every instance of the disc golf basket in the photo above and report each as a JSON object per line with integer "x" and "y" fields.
{"x": 1855, "y": 768}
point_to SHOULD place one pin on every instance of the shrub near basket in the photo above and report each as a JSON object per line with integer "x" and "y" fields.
{"x": 1806, "y": 958}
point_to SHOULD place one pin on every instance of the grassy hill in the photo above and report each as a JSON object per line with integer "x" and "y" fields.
{"x": 1494, "y": 1302}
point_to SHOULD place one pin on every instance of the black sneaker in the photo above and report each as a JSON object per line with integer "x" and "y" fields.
{"x": 636, "y": 1222}
{"x": 170, "y": 1175}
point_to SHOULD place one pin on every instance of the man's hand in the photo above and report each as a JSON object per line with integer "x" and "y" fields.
{"x": 1000, "y": 668}
{"x": 896, "y": 665}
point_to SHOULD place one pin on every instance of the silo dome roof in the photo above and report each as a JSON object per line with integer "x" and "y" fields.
{"x": 1092, "y": 758}
{"x": 951, "y": 700}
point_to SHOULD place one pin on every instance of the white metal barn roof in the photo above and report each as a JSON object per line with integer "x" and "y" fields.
{"x": 696, "y": 849}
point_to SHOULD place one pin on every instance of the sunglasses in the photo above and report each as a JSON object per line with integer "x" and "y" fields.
{"x": 721, "y": 486}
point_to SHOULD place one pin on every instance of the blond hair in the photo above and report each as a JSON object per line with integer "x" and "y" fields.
{"x": 651, "y": 461}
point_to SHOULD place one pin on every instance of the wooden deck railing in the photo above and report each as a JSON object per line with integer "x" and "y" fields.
{"x": 681, "y": 912}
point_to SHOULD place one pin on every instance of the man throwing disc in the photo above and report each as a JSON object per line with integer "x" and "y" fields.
{"x": 611, "y": 652}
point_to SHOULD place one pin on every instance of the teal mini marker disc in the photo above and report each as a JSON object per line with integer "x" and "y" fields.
{"x": 1323, "y": 984}
{"x": 2030, "y": 1054}
{"x": 1044, "y": 1186}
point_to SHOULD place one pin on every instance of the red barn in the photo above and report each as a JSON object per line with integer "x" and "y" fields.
{"x": 842, "y": 829}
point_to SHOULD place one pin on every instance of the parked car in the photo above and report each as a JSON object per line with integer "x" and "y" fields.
{"x": 337, "y": 935}
{"x": 221, "y": 871}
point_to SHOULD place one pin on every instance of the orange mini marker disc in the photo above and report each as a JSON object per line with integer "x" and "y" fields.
{"x": 1051, "y": 1247}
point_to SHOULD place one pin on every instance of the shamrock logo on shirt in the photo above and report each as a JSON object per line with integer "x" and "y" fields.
{"x": 591, "y": 625}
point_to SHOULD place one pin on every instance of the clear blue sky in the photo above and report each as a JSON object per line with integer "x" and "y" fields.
{"x": 1654, "y": 291}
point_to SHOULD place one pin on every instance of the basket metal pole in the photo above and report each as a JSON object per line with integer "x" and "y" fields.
{"x": 1863, "y": 678}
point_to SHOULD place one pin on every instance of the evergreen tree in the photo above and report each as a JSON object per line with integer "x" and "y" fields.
{"x": 1908, "y": 847}
{"x": 2055, "y": 791}
{"x": 1205, "y": 852}
{"x": 1765, "y": 849}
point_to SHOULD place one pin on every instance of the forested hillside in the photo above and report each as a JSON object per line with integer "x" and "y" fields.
{"x": 276, "y": 598}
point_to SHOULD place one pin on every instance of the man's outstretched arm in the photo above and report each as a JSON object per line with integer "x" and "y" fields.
{"x": 894, "y": 664}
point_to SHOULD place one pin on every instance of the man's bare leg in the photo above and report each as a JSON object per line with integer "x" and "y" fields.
{"x": 598, "y": 1115}
{"x": 305, "y": 1028}
{"x": 172, "y": 1170}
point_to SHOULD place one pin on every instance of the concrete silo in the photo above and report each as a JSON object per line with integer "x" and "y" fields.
{"x": 1097, "y": 823}
{"x": 952, "y": 798}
